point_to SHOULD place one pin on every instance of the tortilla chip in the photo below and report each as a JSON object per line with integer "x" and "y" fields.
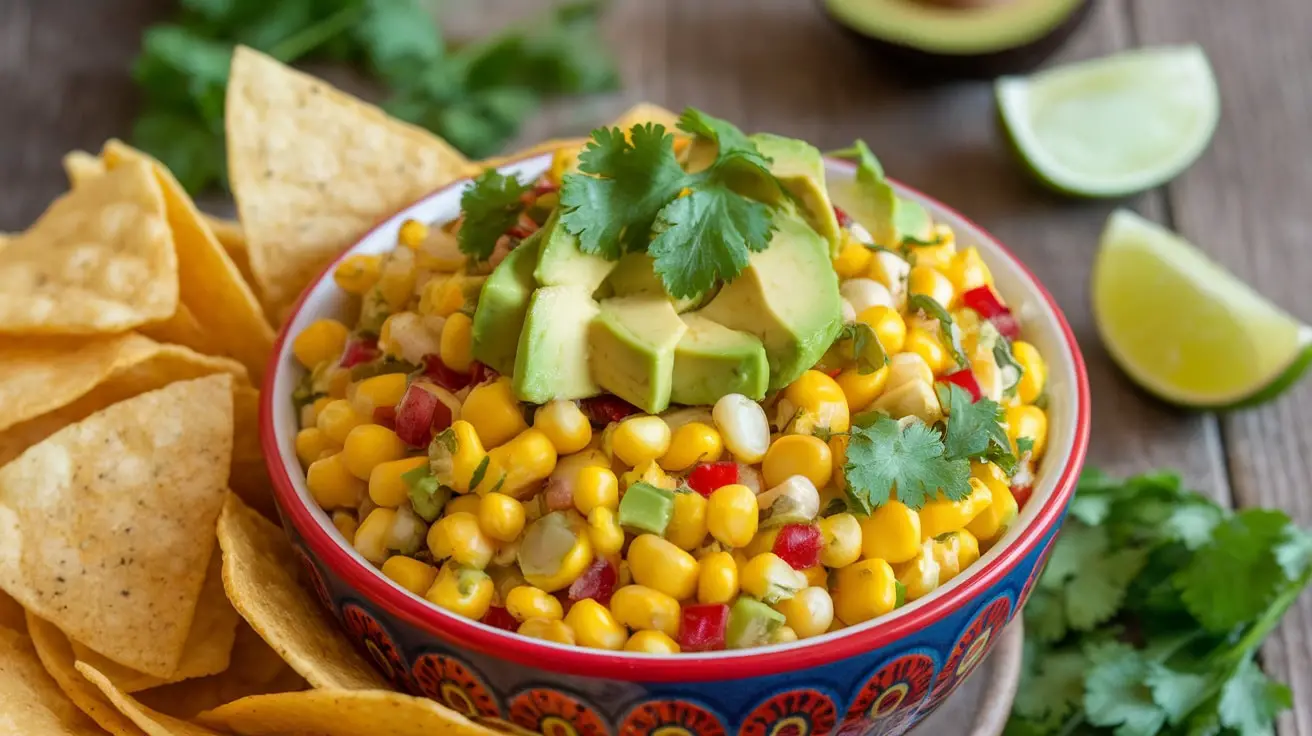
{"x": 233, "y": 240}
{"x": 181, "y": 329}
{"x": 31, "y": 702}
{"x": 340, "y": 713}
{"x": 81, "y": 167}
{"x": 208, "y": 281}
{"x": 543, "y": 147}
{"x": 11, "y": 614}
{"x": 106, "y": 526}
{"x": 100, "y": 259}
{"x": 260, "y": 574}
{"x": 646, "y": 112}
{"x": 117, "y": 368}
{"x": 209, "y": 642}
{"x": 250, "y": 475}
{"x": 57, "y": 657}
{"x": 313, "y": 168}
{"x": 152, "y": 723}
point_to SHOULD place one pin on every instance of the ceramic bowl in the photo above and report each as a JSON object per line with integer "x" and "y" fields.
{"x": 880, "y": 677}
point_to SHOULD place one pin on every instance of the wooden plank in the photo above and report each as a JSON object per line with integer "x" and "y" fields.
{"x": 1245, "y": 203}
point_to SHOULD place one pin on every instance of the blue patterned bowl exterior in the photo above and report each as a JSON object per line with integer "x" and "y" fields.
{"x": 881, "y": 677}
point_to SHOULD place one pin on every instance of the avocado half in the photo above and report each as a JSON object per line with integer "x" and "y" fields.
{"x": 941, "y": 39}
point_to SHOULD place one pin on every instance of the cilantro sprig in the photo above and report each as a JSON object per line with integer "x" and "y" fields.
{"x": 1149, "y": 615}
{"x": 491, "y": 205}
{"x": 633, "y": 196}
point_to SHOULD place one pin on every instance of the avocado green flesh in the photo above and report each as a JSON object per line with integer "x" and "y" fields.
{"x": 646, "y": 509}
{"x": 503, "y": 305}
{"x": 631, "y": 349}
{"x": 913, "y": 221}
{"x": 551, "y": 361}
{"x": 561, "y": 263}
{"x": 787, "y": 297}
{"x": 801, "y": 169}
{"x": 951, "y": 31}
{"x": 751, "y": 624}
{"x": 635, "y": 274}
{"x": 712, "y": 360}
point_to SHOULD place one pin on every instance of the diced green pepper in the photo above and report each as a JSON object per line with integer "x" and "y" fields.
{"x": 646, "y": 508}
{"x": 751, "y": 623}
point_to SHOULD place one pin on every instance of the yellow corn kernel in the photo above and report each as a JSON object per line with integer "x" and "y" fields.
{"x": 459, "y": 537}
{"x": 337, "y": 419}
{"x": 842, "y": 540}
{"x": 440, "y": 251}
{"x": 346, "y": 523}
{"x": 687, "y": 528}
{"x": 639, "y": 439}
{"x": 595, "y": 487}
{"x": 954, "y": 552}
{"x": 367, "y": 446}
{"x": 968, "y": 271}
{"x": 768, "y": 578}
{"x": 905, "y": 368}
{"x": 412, "y": 234}
{"x": 820, "y": 397}
{"x": 468, "y": 504}
{"x": 639, "y": 607}
{"x": 888, "y": 326}
{"x": 494, "y": 412}
{"x": 548, "y": 630}
{"x": 387, "y": 487}
{"x": 500, "y": 517}
{"x": 311, "y": 443}
{"x": 339, "y": 379}
{"x": 817, "y": 576}
{"x": 525, "y": 602}
{"x": 941, "y": 516}
{"x": 396, "y": 278}
{"x": 457, "y": 344}
{"x": 861, "y": 389}
{"x": 783, "y": 635}
{"x": 761, "y": 543}
{"x": 927, "y": 345}
{"x": 651, "y": 642}
{"x": 1030, "y": 421}
{"x": 809, "y": 613}
{"x": 310, "y": 412}
{"x": 932, "y": 283}
{"x": 332, "y": 485}
{"x": 564, "y": 160}
{"x": 657, "y": 563}
{"x": 372, "y": 535}
{"x": 919, "y": 575}
{"x": 463, "y": 591}
{"x": 863, "y": 591}
{"x": 992, "y": 522}
{"x": 648, "y": 472}
{"x": 565, "y": 425}
{"x": 623, "y": 575}
{"x": 605, "y": 532}
{"x": 523, "y": 463}
{"x": 413, "y": 575}
{"x": 892, "y": 533}
{"x": 1035, "y": 374}
{"x": 442, "y": 297}
{"x": 595, "y": 627}
{"x": 798, "y": 454}
{"x": 939, "y": 255}
{"x": 913, "y": 398}
{"x": 717, "y": 582}
{"x": 371, "y": 393}
{"x": 357, "y": 274}
{"x": 456, "y": 456}
{"x": 690, "y": 444}
{"x": 985, "y": 368}
{"x": 853, "y": 258}
{"x": 732, "y": 515}
{"x": 569, "y": 567}
{"x": 322, "y": 340}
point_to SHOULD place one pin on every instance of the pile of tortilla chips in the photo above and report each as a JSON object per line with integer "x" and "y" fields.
{"x": 145, "y": 588}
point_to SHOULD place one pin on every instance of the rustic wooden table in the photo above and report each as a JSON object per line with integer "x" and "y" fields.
{"x": 779, "y": 65}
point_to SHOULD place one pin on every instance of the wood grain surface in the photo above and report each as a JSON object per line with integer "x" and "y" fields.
{"x": 779, "y": 65}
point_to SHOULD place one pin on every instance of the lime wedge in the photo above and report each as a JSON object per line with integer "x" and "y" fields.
{"x": 1113, "y": 126}
{"x": 1186, "y": 329}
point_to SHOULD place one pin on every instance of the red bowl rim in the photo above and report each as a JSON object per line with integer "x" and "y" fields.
{"x": 462, "y": 633}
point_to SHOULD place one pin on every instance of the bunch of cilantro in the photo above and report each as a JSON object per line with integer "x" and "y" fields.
{"x": 1150, "y": 613}
{"x": 475, "y": 96}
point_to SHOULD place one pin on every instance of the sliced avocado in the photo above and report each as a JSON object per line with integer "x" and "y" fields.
{"x": 632, "y": 346}
{"x": 939, "y": 39}
{"x": 635, "y": 274}
{"x": 551, "y": 360}
{"x": 751, "y": 624}
{"x": 646, "y": 508}
{"x": 712, "y": 360}
{"x": 561, "y": 263}
{"x": 799, "y": 166}
{"x": 502, "y": 305}
{"x": 787, "y": 297}
{"x": 912, "y": 221}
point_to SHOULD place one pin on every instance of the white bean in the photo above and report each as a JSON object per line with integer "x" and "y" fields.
{"x": 743, "y": 426}
{"x": 863, "y": 294}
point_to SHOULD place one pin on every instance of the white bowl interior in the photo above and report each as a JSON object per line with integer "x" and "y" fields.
{"x": 1039, "y": 323}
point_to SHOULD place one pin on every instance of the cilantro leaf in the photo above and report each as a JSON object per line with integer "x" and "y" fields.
{"x": 1005, "y": 359}
{"x": 875, "y": 205}
{"x": 1178, "y": 693}
{"x": 974, "y": 428}
{"x": 1095, "y": 593}
{"x": 1045, "y": 616}
{"x": 1024, "y": 444}
{"x": 947, "y": 325}
{"x": 1235, "y": 578}
{"x": 705, "y": 237}
{"x": 885, "y": 457}
{"x": 729, "y": 141}
{"x": 865, "y": 348}
{"x": 612, "y": 210}
{"x": 1294, "y": 552}
{"x": 491, "y": 205}
{"x": 398, "y": 37}
{"x": 1250, "y": 701}
{"x": 1117, "y": 693}
{"x": 427, "y": 496}
{"x": 1053, "y": 687}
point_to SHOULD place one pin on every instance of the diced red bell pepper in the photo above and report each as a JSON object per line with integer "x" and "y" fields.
{"x": 545, "y": 186}
{"x": 359, "y": 350}
{"x": 597, "y": 582}
{"x": 1022, "y": 494}
{"x": 386, "y": 416}
{"x": 844, "y": 219}
{"x": 983, "y": 300}
{"x": 419, "y": 414}
{"x": 965, "y": 378}
{"x": 834, "y": 372}
{"x": 703, "y": 627}
{"x": 479, "y": 372}
{"x": 607, "y": 408}
{"x": 799, "y": 545}
{"x": 439, "y": 373}
{"x": 500, "y": 618}
{"x": 707, "y": 478}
